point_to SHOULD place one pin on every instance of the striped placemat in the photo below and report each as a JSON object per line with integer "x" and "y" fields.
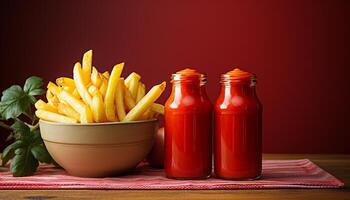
{"x": 276, "y": 174}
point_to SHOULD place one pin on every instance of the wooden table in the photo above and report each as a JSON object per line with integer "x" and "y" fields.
{"x": 338, "y": 165}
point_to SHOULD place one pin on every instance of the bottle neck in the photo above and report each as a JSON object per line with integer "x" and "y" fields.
{"x": 238, "y": 85}
{"x": 186, "y": 88}
{"x": 238, "y": 89}
{"x": 188, "y": 84}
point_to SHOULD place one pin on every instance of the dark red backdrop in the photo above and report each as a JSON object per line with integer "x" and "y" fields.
{"x": 298, "y": 48}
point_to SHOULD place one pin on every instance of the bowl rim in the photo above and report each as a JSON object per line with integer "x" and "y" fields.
{"x": 98, "y": 124}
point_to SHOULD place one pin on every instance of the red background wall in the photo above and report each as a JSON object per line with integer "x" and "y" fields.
{"x": 298, "y": 48}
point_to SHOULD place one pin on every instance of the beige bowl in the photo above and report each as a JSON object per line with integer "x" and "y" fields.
{"x": 100, "y": 149}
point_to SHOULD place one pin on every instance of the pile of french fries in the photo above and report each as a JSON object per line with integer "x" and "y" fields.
{"x": 94, "y": 97}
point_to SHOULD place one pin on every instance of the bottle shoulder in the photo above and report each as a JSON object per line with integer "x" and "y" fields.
{"x": 188, "y": 102}
{"x": 243, "y": 103}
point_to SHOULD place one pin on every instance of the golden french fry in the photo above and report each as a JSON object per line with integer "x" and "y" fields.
{"x": 52, "y": 99}
{"x": 41, "y": 105}
{"x": 68, "y": 111}
{"x": 75, "y": 103}
{"x": 53, "y": 88}
{"x": 110, "y": 93}
{"x": 76, "y": 94}
{"x": 86, "y": 115}
{"x": 68, "y": 89}
{"x": 103, "y": 87}
{"x": 79, "y": 84}
{"x": 158, "y": 108}
{"x": 145, "y": 102}
{"x": 88, "y": 85}
{"x": 92, "y": 90}
{"x": 54, "y": 117}
{"x": 146, "y": 115}
{"x": 98, "y": 108}
{"x": 49, "y": 95}
{"x": 134, "y": 84}
{"x": 64, "y": 81}
{"x": 105, "y": 74}
{"x": 141, "y": 91}
{"x": 131, "y": 76}
{"x": 129, "y": 101}
{"x": 95, "y": 77}
{"x": 87, "y": 63}
{"x": 119, "y": 100}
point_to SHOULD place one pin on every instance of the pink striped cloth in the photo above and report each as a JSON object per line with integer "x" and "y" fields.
{"x": 276, "y": 174}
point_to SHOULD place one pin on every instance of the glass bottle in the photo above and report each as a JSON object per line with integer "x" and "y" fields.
{"x": 188, "y": 132}
{"x": 238, "y": 128}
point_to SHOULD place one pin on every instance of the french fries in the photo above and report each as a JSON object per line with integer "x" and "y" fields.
{"x": 119, "y": 100}
{"x": 147, "y": 114}
{"x": 87, "y": 63}
{"x": 140, "y": 92}
{"x": 96, "y": 78}
{"x": 92, "y": 90}
{"x": 51, "y": 99}
{"x": 75, "y": 103}
{"x": 133, "y": 83}
{"x": 98, "y": 108}
{"x": 51, "y": 116}
{"x": 41, "y": 105}
{"x": 145, "y": 102}
{"x": 79, "y": 84}
{"x": 105, "y": 74}
{"x": 129, "y": 101}
{"x": 93, "y": 97}
{"x": 110, "y": 93}
{"x": 130, "y": 78}
{"x": 68, "y": 111}
{"x": 158, "y": 108}
{"x": 68, "y": 89}
{"x": 76, "y": 94}
{"x": 103, "y": 87}
{"x": 53, "y": 88}
{"x": 86, "y": 115}
{"x": 64, "y": 81}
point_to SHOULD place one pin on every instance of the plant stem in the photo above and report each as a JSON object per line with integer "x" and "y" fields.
{"x": 35, "y": 126}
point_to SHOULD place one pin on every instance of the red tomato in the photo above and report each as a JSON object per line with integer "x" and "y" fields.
{"x": 156, "y": 156}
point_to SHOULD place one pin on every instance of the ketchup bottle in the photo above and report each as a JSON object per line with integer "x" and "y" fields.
{"x": 238, "y": 128}
{"x": 188, "y": 113}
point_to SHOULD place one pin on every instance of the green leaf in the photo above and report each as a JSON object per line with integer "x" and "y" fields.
{"x": 23, "y": 163}
{"x": 41, "y": 154}
{"x": 33, "y": 86}
{"x": 36, "y": 137}
{"x": 22, "y": 131}
{"x": 14, "y": 102}
{"x": 27, "y": 151}
{"x": 8, "y": 152}
{"x": 37, "y": 92}
{"x": 32, "y": 99}
{"x": 38, "y": 149}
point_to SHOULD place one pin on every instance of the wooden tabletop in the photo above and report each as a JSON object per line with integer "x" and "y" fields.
{"x": 338, "y": 165}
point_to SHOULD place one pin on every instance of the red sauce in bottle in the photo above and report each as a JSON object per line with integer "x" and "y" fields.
{"x": 238, "y": 127}
{"x": 188, "y": 131}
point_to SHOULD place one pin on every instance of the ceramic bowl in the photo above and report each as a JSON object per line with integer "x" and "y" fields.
{"x": 99, "y": 149}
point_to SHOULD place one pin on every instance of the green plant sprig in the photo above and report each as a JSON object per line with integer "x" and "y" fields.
{"x": 28, "y": 148}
